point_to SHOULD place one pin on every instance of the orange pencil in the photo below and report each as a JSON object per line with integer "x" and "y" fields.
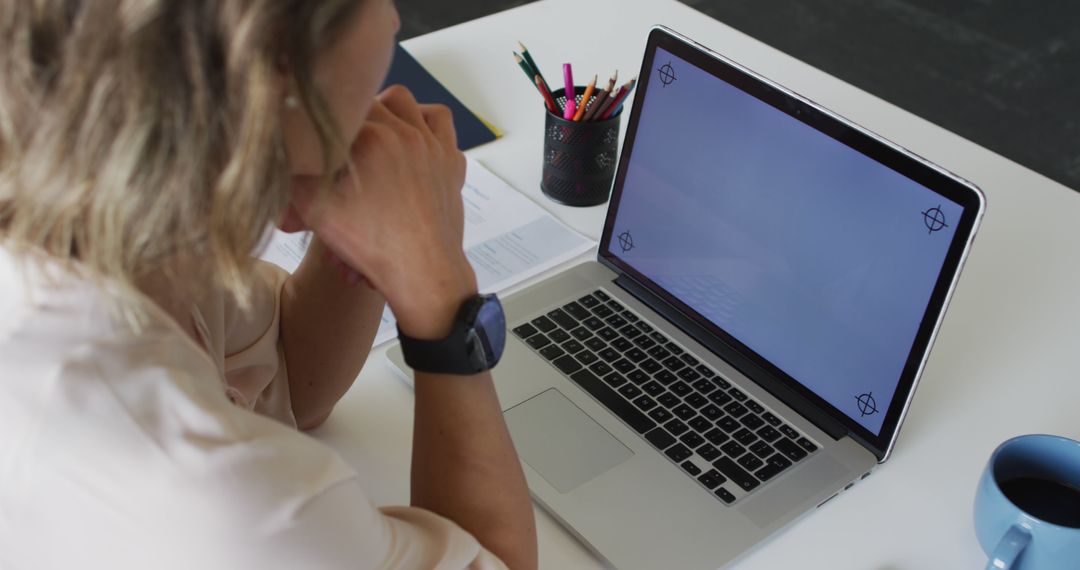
{"x": 585, "y": 99}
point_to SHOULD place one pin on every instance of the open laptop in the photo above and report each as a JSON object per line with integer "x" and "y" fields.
{"x": 769, "y": 282}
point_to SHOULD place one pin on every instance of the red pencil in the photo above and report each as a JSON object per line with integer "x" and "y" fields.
{"x": 618, "y": 99}
{"x": 548, "y": 99}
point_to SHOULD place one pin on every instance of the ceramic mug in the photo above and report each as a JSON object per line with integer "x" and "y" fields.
{"x": 1027, "y": 507}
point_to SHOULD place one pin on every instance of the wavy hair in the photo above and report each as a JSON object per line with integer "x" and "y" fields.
{"x": 132, "y": 131}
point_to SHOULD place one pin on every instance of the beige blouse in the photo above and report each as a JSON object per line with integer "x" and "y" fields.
{"x": 124, "y": 448}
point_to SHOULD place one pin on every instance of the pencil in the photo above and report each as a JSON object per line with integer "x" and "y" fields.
{"x": 591, "y": 113}
{"x": 617, "y": 106}
{"x": 569, "y": 92}
{"x": 535, "y": 68}
{"x": 585, "y": 99}
{"x": 524, "y": 66}
{"x": 617, "y": 100}
{"x": 548, "y": 99}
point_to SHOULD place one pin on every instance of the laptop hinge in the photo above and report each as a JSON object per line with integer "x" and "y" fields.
{"x": 763, "y": 378}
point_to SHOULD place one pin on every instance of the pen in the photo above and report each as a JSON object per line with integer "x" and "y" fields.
{"x": 548, "y": 99}
{"x": 535, "y": 68}
{"x": 569, "y": 92}
{"x": 585, "y": 99}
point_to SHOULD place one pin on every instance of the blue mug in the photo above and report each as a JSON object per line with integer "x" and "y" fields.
{"x": 1027, "y": 507}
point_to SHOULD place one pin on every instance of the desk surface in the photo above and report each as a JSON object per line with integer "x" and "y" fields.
{"x": 1006, "y": 362}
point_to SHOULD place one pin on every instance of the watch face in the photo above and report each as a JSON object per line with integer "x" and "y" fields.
{"x": 490, "y": 329}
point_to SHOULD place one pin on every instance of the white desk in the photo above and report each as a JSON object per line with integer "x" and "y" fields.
{"x": 1007, "y": 360}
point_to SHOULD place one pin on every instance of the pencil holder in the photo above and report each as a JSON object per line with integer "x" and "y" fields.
{"x": 579, "y": 157}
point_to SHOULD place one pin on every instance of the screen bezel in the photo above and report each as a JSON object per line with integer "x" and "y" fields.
{"x": 922, "y": 172}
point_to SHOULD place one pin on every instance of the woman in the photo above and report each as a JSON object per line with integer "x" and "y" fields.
{"x": 152, "y": 375}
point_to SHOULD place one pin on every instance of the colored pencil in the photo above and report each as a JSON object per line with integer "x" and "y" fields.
{"x": 529, "y": 72}
{"x": 591, "y": 113}
{"x": 617, "y": 100}
{"x": 585, "y": 99}
{"x": 548, "y": 99}
{"x": 619, "y": 104}
{"x": 535, "y": 68}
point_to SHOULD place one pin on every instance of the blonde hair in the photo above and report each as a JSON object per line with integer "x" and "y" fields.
{"x": 133, "y": 131}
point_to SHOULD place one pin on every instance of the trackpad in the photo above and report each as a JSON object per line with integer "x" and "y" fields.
{"x": 561, "y": 442}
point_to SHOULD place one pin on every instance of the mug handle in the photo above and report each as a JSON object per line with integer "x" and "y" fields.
{"x": 1009, "y": 548}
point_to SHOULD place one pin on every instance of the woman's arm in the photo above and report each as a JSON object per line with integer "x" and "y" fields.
{"x": 327, "y": 327}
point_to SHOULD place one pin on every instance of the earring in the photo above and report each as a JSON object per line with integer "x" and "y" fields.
{"x": 291, "y": 102}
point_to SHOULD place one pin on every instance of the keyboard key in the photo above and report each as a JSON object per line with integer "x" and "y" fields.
{"x": 638, "y": 377}
{"x": 538, "y": 341}
{"x": 750, "y": 462}
{"x": 741, "y": 478}
{"x": 696, "y": 400}
{"x": 752, "y": 422}
{"x": 774, "y": 465}
{"x": 676, "y": 427}
{"x": 669, "y": 400}
{"x": 559, "y": 335}
{"x": 651, "y": 366}
{"x": 592, "y": 323}
{"x": 690, "y": 360}
{"x": 712, "y": 412}
{"x": 575, "y": 310}
{"x": 645, "y": 403}
{"x": 732, "y": 449}
{"x": 708, "y": 452}
{"x": 761, "y": 449}
{"x": 716, "y": 436}
{"x": 660, "y": 438}
{"x": 721, "y": 383}
{"x": 621, "y": 344}
{"x": 789, "y": 431}
{"x": 616, "y": 306}
{"x": 724, "y": 495}
{"x": 728, "y": 424}
{"x": 615, "y": 322}
{"x": 551, "y": 352}
{"x": 653, "y": 388}
{"x": 607, "y": 333}
{"x": 768, "y": 433}
{"x": 737, "y": 394}
{"x": 678, "y": 452}
{"x": 609, "y": 354}
{"x": 603, "y": 311}
{"x": 659, "y": 337}
{"x": 712, "y": 478}
{"x": 681, "y": 388}
{"x": 525, "y": 331}
{"x": 635, "y": 355}
{"x": 630, "y": 317}
{"x": 601, "y": 295}
{"x": 615, "y": 379}
{"x": 806, "y": 444}
{"x": 690, "y": 468}
{"x": 562, "y": 319}
{"x": 630, "y": 391}
{"x": 674, "y": 364}
{"x": 600, "y": 368}
{"x": 720, "y": 397}
{"x": 583, "y": 334}
{"x": 703, "y": 386}
{"x": 735, "y": 409}
{"x": 675, "y": 349}
{"x": 623, "y": 365}
{"x": 644, "y": 342}
{"x": 567, "y": 365}
{"x": 789, "y": 449}
{"x": 684, "y": 412}
{"x": 571, "y": 346}
{"x": 705, "y": 371}
{"x": 645, "y": 327}
{"x": 630, "y": 331}
{"x": 755, "y": 407}
{"x": 544, "y": 324}
{"x": 744, "y": 436}
{"x": 700, "y": 424}
{"x": 691, "y": 439}
{"x": 620, "y": 407}
{"x": 594, "y": 344}
{"x": 659, "y": 352}
{"x": 586, "y": 357}
{"x": 660, "y": 415}
{"x": 588, "y": 301}
{"x": 665, "y": 377}
{"x": 771, "y": 419}
{"x": 689, "y": 374}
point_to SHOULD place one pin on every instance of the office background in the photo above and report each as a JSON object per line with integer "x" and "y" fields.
{"x": 1001, "y": 73}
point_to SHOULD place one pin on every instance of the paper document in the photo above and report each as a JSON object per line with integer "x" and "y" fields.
{"x": 508, "y": 239}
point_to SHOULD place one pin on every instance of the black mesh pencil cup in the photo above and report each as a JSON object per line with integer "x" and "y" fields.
{"x": 579, "y": 157}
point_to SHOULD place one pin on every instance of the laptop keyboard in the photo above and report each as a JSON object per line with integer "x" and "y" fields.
{"x": 717, "y": 434}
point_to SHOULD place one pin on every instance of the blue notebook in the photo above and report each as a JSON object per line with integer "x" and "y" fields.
{"x": 405, "y": 70}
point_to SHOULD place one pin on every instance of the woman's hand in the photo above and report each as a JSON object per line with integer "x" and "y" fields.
{"x": 400, "y": 222}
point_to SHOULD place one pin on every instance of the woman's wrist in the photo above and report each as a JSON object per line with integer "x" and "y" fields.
{"x": 428, "y": 311}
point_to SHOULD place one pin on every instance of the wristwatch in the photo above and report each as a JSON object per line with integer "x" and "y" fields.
{"x": 474, "y": 345}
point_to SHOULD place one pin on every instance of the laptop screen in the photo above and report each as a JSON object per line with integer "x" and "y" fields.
{"x": 816, "y": 257}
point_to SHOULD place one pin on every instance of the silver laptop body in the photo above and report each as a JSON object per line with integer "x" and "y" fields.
{"x": 790, "y": 368}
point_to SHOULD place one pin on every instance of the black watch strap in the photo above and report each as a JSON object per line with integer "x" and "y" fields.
{"x": 460, "y": 352}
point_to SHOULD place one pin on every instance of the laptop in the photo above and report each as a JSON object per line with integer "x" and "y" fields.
{"x": 768, "y": 285}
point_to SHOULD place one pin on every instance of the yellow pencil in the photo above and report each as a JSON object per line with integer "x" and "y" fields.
{"x": 585, "y": 99}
